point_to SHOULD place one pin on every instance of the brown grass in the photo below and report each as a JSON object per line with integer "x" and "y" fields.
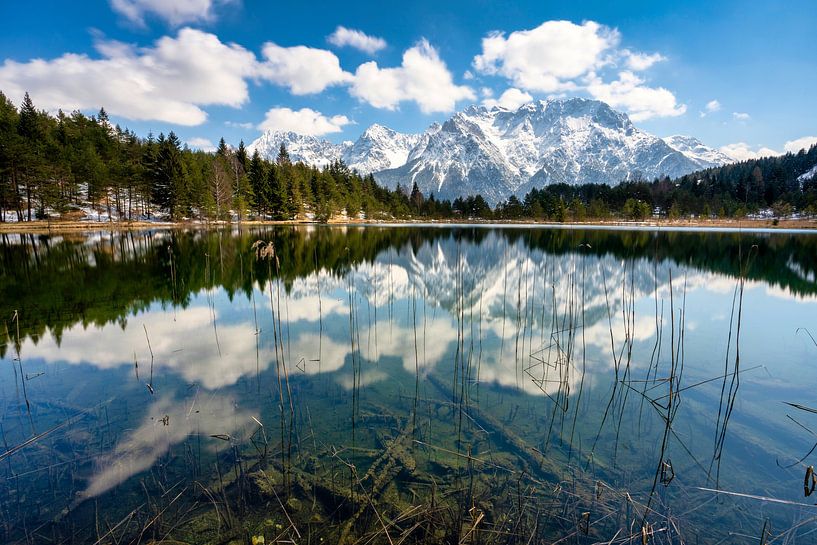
{"x": 61, "y": 226}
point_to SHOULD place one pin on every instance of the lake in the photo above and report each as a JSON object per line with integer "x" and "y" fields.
{"x": 408, "y": 384}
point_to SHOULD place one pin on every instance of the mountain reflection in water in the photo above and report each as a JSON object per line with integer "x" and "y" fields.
{"x": 406, "y": 383}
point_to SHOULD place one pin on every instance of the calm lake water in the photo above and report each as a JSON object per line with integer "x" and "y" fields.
{"x": 408, "y": 384}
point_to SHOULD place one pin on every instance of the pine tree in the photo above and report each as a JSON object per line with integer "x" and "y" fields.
{"x": 222, "y": 150}
{"x": 168, "y": 179}
{"x": 416, "y": 197}
{"x": 9, "y": 162}
{"x": 103, "y": 121}
{"x": 149, "y": 170}
{"x": 28, "y": 127}
{"x": 241, "y": 155}
{"x": 276, "y": 198}
{"x": 258, "y": 184}
{"x": 283, "y": 155}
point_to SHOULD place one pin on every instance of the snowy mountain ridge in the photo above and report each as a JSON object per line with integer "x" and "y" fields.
{"x": 498, "y": 152}
{"x": 693, "y": 148}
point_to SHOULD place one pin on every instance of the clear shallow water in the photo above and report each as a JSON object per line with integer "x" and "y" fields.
{"x": 482, "y": 385}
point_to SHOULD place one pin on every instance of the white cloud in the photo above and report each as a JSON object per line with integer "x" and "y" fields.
{"x": 641, "y": 61}
{"x": 304, "y": 70}
{"x": 511, "y": 99}
{"x": 741, "y": 151}
{"x": 138, "y": 449}
{"x": 561, "y": 56}
{"x": 713, "y": 106}
{"x": 640, "y": 101}
{"x": 547, "y": 57}
{"x": 177, "y": 12}
{"x": 183, "y": 343}
{"x": 238, "y": 125}
{"x": 343, "y": 37}
{"x": 202, "y": 144}
{"x": 303, "y": 121}
{"x": 167, "y": 82}
{"x": 741, "y": 116}
{"x": 422, "y": 77}
{"x": 794, "y": 146}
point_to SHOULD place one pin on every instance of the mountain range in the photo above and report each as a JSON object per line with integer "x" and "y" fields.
{"x": 499, "y": 152}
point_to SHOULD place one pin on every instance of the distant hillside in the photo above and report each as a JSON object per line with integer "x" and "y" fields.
{"x": 761, "y": 181}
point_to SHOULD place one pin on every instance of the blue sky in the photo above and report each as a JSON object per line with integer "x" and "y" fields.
{"x": 736, "y": 74}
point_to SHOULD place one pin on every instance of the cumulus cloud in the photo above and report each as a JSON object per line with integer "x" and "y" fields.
{"x": 175, "y": 13}
{"x": 202, "y": 144}
{"x": 511, "y": 99}
{"x": 166, "y": 82}
{"x": 641, "y": 102}
{"x": 304, "y": 70}
{"x": 547, "y": 57}
{"x": 794, "y": 146}
{"x": 741, "y": 151}
{"x": 304, "y": 121}
{"x": 561, "y": 56}
{"x": 741, "y": 116}
{"x": 347, "y": 37}
{"x": 422, "y": 77}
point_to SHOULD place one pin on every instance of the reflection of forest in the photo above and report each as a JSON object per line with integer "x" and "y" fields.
{"x": 55, "y": 282}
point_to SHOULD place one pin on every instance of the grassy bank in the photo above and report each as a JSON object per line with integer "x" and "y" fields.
{"x": 44, "y": 227}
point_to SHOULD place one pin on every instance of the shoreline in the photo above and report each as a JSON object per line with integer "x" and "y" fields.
{"x": 49, "y": 227}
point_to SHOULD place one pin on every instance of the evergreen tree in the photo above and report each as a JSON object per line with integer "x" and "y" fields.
{"x": 241, "y": 155}
{"x": 28, "y": 124}
{"x": 283, "y": 155}
{"x": 222, "y": 150}
{"x": 276, "y": 196}
{"x": 168, "y": 180}
{"x": 416, "y": 198}
{"x": 10, "y": 142}
{"x": 28, "y": 128}
{"x": 258, "y": 184}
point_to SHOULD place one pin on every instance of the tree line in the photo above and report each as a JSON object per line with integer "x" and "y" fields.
{"x": 56, "y": 164}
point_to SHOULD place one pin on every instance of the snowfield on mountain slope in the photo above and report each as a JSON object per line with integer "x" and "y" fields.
{"x": 693, "y": 148}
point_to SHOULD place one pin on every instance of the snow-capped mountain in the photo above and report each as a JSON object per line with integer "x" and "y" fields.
{"x": 694, "y": 149}
{"x": 303, "y": 148}
{"x": 379, "y": 148}
{"x": 499, "y": 152}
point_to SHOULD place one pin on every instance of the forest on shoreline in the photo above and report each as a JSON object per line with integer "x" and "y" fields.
{"x": 60, "y": 166}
